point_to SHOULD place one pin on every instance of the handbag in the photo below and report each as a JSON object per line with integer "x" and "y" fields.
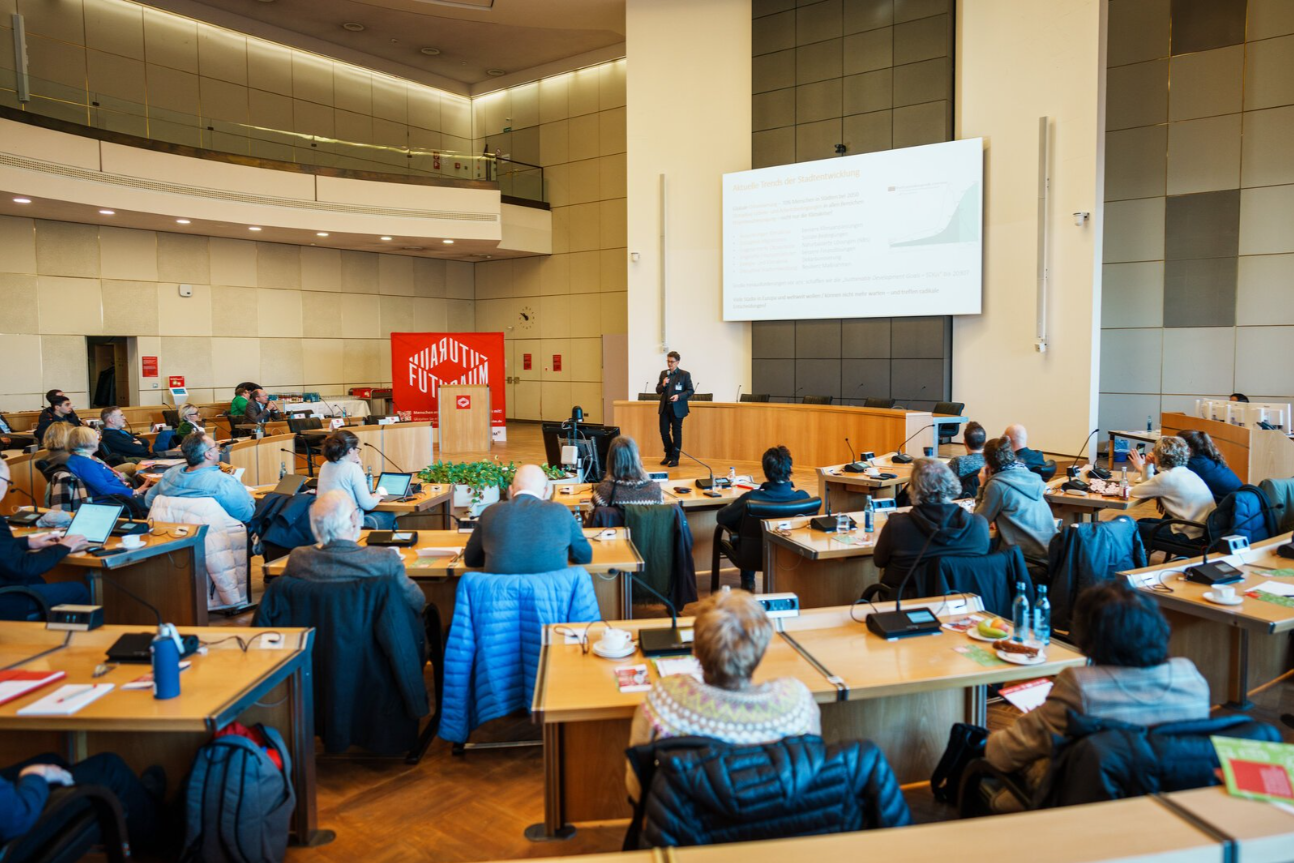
{"x": 965, "y": 744}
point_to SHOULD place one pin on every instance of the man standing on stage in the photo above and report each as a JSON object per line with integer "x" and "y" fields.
{"x": 675, "y": 388}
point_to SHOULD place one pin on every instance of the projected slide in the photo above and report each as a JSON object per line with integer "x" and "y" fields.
{"x": 895, "y": 233}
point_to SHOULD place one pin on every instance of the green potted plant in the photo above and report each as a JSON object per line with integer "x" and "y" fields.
{"x": 557, "y": 475}
{"x": 477, "y": 484}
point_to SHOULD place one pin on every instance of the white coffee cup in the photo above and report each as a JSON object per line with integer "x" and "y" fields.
{"x": 1224, "y": 592}
{"x": 873, "y": 471}
{"x": 615, "y": 640}
{"x": 132, "y": 541}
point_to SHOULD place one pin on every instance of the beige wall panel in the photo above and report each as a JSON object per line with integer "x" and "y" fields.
{"x": 222, "y": 54}
{"x": 190, "y": 357}
{"x": 459, "y": 280}
{"x": 555, "y": 400}
{"x": 222, "y": 100}
{"x": 554, "y": 101}
{"x": 269, "y": 67}
{"x": 320, "y": 269}
{"x": 395, "y": 275}
{"x": 183, "y": 316}
{"x": 583, "y": 133}
{"x": 561, "y": 230}
{"x": 235, "y": 360}
{"x": 613, "y": 224}
{"x": 361, "y": 360}
{"x": 586, "y": 359}
{"x": 395, "y": 315}
{"x": 278, "y": 265}
{"x": 428, "y": 277}
{"x": 129, "y": 308}
{"x": 615, "y": 270}
{"x": 18, "y": 300}
{"x": 67, "y": 249}
{"x": 589, "y": 397}
{"x": 555, "y": 275}
{"x": 119, "y": 77}
{"x": 493, "y": 316}
{"x": 615, "y": 313}
{"x": 269, "y": 110}
{"x": 584, "y": 277}
{"x": 278, "y": 313}
{"x": 183, "y": 258}
{"x": 357, "y": 128}
{"x": 586, "y": 317}
{"x": 554, "y": 143}
{"x": 460, "y": 316}
{"x": 73, "y": 306}
{"x": 554, "y": 316}
{"x": 171, "y": 41}
{"x": 282, "y": 363}
{"x": 583, "y": 91}
{"x": 17, "y": 245}
{"x": 455, "y": 116}
{"x": 525, "y": 106}
{"x": 172, "y": 90}
{"x": 64, "y": 365}
{"x": 558, "y": 180}
{"x": 526, "y": 275}
{"x": 117, "y": 28}
{"x": 611, "y": 132}
{"x": 611, "y": 93}
{"x": 311, "y": 119}
{"x": 390, "y": 99}
{"x": 233, "y": 262}
{"x": 19, "y": 378}
{"x": 358, "y": 272}
{"x": 583, "y": 181}
{"x": 321, "y": 315}
{"x": 585, "y": 232}
{"x": 424, "y": 108}
{"x": 612, "y": 177}
{"x": 58, "y": 19}
{"x": 233, "y": 311}
{"x": 353, "y": 90}
{"x": 60, "y": 63}
{"x": 322, "y": 360}
{"x": 360, "y": 317}
{"x": 312, "y": 78}
{"x": 430, "y": 315}
{"x": 492, "y": 279}
{"x": 127, "y": 254}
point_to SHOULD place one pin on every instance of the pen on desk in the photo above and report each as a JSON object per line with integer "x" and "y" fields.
{"x": 69, "y": 696}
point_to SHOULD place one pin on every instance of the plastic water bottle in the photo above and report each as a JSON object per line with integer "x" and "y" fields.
{"x": 368, "y": 476}
{"x": 1042, "y": 617}
{"x": 732, "y": 477}
{"x": 166, "y": 662}
{"x": 842, "y": 523}
{"x": 1020, "y": 614}
{"x": 1123, "y": 477}
{"x": 283, "y": 469}
{"x": 1150, "y": 422}
{"x": 869, "y": 516}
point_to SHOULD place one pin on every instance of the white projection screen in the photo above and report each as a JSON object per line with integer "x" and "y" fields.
{"x": 890, "y": 234}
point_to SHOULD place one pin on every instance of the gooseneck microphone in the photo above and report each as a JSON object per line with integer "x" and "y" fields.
{"x": 739, "y": 386}
{"x": 1083, "y": 448}
{"x": 705, "y": 484}
{"x": 24, "y": 518}
{"x": 398, "y": 469}
{"x": 854, "y": 466}
{"x": 900, "y": 457}
{"x": 658, "y": 642}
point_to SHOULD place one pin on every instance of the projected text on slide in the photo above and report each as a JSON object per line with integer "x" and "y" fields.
{"x": 894, "y": 233}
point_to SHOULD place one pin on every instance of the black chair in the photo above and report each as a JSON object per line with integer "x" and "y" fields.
{"x": 878, "y": 403}
{"x": 1046, "y": 470}
{"x": 702, "y": 397}
{"x": 73, "y": 822}
{"x": 1085, "y": 554}
{"x": 1246, "y": 511}
{"x": 753, "y": 397}
{"x": 648, "y": 397}
{"x": 950, "y": 409}
{"x": 303, "y": 442}
{"x": 38, "y": 615}
{"x": 816, "y": 400}
{"x": 745, "y": 547}
{"x": 171, "y": 418}
{"x": 992, "y": 578}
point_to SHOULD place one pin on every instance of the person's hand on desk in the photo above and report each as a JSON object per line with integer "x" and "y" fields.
{"x": 37, "y": 541}
{"x": 52, "y": 774}
{"x": 75, "y": 543}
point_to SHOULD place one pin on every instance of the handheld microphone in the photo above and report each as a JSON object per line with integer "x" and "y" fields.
{"x": 659, "y": 642}
{"x": 398, "y": 469}
{"x": 899, "y": 623}
{"x": 854, "y": 466}
{"x": 900, "y": 457}
{"x": 706, "y": 484}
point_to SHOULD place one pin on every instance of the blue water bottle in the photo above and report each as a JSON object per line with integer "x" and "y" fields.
{"x": 166, "y": 662}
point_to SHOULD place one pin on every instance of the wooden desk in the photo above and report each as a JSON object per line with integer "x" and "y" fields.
{"x": 843, "y": 490}
{"x": 438, "y": 576}
{"x": 261, "y": 458}
{"x": 224, "y": 686}
{"x": 408, "y": 446}
{"x": 818, "y": 566}
{"x": 743, "y": 430}
{"x": 902, "y": 694}
{"x": 1076, "y": 507}
{"x": 169, "y": 572}
{"x": 414, "y": 513}
{"x": 1229, "y": 644}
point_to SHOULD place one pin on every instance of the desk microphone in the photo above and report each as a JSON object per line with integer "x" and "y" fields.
{"x": 739, "y": 392}
{"x": 854, "y": 466}
{"x": 291, "y": 452}
{"x": 645, "y": 383}
{"x": 659, "y": 642}
{"x": 398, "y": 469}
{"x": 1083, "y": 448}
{"x": 900, "y": 457}
{"x": 22, "y": 518}
{"x": 706, "y": 484}
{"x": 1222, "y": 572}
{"x": 899, "y": 623}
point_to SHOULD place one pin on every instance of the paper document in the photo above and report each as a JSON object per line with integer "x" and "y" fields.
{"x": 67, "y": 700}
{"x": 1275, "y": 587}
{"x": 14, "y": 684}
{"x": 679, "y": 665}
{"x": 1028, "y": 695}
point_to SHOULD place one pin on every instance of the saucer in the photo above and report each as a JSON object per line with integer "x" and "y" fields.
{"x": 975, "y": 635}
{"x": 1021, "y": 659}
{"x": 1216, "y": 600}
{"x": 607, "y": 654}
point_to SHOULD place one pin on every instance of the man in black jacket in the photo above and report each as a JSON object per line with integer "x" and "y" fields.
{"x": 674, "y": 387}
{"x": 24, "y": 559}
{"x": 118, "y": 440}
{"x": 778, "y": 489}
{"x": 1030, "y": 458}
{"x": 59, "y": 411}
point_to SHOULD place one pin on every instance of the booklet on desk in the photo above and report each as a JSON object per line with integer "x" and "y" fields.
{"x": 15, "y": 684}
{"x": 67, "y": 700}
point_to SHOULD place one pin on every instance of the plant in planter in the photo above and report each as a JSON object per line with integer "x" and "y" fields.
{"x": 555, "y": 471}
{"x": 477, "y": 483}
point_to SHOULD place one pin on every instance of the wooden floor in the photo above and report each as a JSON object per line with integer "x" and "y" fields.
{"x": 477, "y": 807}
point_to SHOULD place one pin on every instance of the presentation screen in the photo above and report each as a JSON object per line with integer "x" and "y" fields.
{"x": 895, "y": 233}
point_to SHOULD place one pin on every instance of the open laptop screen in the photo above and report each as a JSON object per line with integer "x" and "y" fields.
{"x": 95, "y": 521}
{"x": 396, "y": 484}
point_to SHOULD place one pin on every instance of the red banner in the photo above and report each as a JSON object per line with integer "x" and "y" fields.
{"x": 422, "y": 363}
{"x": 149, "y": 367}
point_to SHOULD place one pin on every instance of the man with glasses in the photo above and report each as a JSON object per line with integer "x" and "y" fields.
{"x": 23, "y": 560}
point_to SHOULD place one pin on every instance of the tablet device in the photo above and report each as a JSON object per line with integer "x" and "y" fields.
{"x": 95, "y": 521}
{"x": 401, "y": 538}
{"x": 396, "y": 484}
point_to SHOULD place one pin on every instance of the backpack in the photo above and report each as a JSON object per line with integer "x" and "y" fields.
{"x": 965, "y": 744}
{"x": 239, "y": 801}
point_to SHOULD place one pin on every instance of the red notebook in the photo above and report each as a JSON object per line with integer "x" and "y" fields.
{"x": 16, "y": 684}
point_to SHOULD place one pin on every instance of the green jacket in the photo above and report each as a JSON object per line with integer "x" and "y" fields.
{"x": 238, "y": 407}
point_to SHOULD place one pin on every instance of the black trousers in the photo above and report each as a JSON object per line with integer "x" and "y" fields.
{"x": 671, "y": 425}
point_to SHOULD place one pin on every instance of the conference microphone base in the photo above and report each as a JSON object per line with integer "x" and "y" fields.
{"x": 712, "y": 483}
{"x": 1214, "y": 573}
{"x": 856, "y": 467}
{"x": 664, "y": 642}
{"x": 903, "y": 624}
{"x": 901, "y": 458}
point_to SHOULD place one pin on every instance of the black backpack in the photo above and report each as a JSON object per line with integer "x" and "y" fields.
{"x": 238, "y": 802}
{"x": 965, "y": 744}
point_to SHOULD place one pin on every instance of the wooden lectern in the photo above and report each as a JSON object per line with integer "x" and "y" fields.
{"x": 464, "y": 415}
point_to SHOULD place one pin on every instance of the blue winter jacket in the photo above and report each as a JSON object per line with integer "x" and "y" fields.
{"x": 1220, "y": 479}
{"x": 492, "y": 655}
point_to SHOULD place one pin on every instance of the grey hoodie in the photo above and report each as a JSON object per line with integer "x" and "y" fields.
{"x": 1013, "y": 499}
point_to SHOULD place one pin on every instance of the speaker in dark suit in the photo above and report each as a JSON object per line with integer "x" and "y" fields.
{"x": 675, "y": 388}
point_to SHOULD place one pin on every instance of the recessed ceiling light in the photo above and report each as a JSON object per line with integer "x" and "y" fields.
{"x": 495, "y": 72}
{"x": 448, "y": 242}
{"x": 386, "y": 239}
{"x": 253, "y": 228}
{"x": 22, "y": 200}
{"x": 107, "y": 212}
{"x": 181, "y": 221}
{"x": 413, "y": 248}
{"x": 321, "y": 233}
{"x": 430, "y": 52}
{"x": 353, "y": 27}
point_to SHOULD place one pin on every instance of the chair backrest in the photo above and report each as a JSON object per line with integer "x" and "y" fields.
{"x": 171, "y": 418}
{"x": 992, "y": 577}
{"x": 648, "y": 397}
{"x": 950, "y": 408}
{"x": 65, "y": 491}
{"x": 753, "y": 397}
{"x": 652, "y": 527}
{"x": 1247, "y": 511}
{"x": 878, "y": 403}
{"x": 1083, "y": 554}
{"x": 750, "y": 549}
{"x": 816, "y": 400}
{"x": 702, "y": 397}
{"x": 16, "y": 593}
{"x": 1046, "y": 470}
{"x": 300, "y": 424}
{"x": 1280, "y": 493}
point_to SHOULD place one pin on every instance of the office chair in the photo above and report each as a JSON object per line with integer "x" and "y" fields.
{"x": 302, "y": 443}
{"x": 951, "y": 409}
{"x": 39, "y": 614}
{"x": 753, "y": 397}
{"x": 816, "y": 400}
{"x": 702, "y": 397}
{"x": 72, "y": 823}
{"x": 878, "y": 403}
{"x": 745, "y": 546}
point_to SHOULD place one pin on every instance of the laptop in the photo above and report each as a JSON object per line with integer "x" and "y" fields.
{"x": 95, "y": 522}
{"x": 396, "y": 485}
{"x": 290, "y": 484}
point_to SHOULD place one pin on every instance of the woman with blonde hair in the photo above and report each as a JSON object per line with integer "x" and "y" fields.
{"x": 55, "y": 441}
{"x": 1178, "y": 490}
{"x": 626, "y": 482}
{"x": 190, "y": 421}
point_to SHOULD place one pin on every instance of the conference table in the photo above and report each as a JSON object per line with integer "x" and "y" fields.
{"x": 614, "y": 557}
{"x": 1075, "y": 507}
{"x": 848, "y": 490}
{"x": 268, "y": 682}
{"x": 902, "y": 694}
{"x": 412, "y": 511}
{"x": 1228, "y": 643}
{"x": 168, "y": 572}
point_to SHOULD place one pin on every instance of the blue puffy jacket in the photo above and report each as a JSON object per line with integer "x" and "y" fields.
{"x": 1220, "y": 479}
{"x": 492, "y": 655}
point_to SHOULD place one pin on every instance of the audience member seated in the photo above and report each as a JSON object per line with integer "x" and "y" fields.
{"x": 55, "y": 443}
{"x": 201, "y": 476}
{"x": 777, "y": 488}
{"x": 190, "y": 421}
{"x": 25, "y": 789}
{"x": 342, "y": 472}
{"x": 242, "y": 396}
{"x": 626, "y": 481}
{"x": 335, "y": 522}
{"x": 933, "y": 528}
{"x": 1209, "y": 465}
{"x": 23, "y": 560}
{"x": 1239, "y": 397}
{"x": 730, "y": 636}
{"x": 261, "y": 409}
{"x": 967, "y": 467}
{"x": 118, "y": 441}
{"x": 1130, "y": 679}
{"x": 1030, "y": 458}
{"x": 1011, "y": 497}
{"x": 100, "y": 481}
{"x": 527, "y": 533}
{"x": 59, "y": 411}
{"x": 1178, "y": 490}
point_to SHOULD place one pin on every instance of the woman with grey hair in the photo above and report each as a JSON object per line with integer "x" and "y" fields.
{"x": 730, "y": 634}
{"x": 626, "y": 482}
{"x": 1178, "y": 490}
{"x": 934, "y": 527}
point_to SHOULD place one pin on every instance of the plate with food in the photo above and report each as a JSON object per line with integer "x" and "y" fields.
{"x": 993, "y": 629}
{"x": 1021, "y": 654}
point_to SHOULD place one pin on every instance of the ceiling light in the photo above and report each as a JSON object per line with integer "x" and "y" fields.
{"x": 495, "y": 72}
{"x": 253, "y": 228}
{"x": 353, "y": 27}
{"x": 413, "y": 248}
{"x": 107, "y": 212}
{"x": 448, "y": 242}
{"x": 386, "y": 239}
{"x": 321, "y": 233}
{"x": 181, "y": 221}
{"x": 430, "y": 52}
{"x": 22, "y": 200}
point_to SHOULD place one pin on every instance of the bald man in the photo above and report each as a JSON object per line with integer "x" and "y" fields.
{"x": 527, "y": 533}
{"x": 1030, "y": 458}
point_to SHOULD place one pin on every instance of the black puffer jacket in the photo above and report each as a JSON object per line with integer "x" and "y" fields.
{"x": 703, "y": 792}
{"x": 1104, "y": 759}
{"x": 1085, "y": 554}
